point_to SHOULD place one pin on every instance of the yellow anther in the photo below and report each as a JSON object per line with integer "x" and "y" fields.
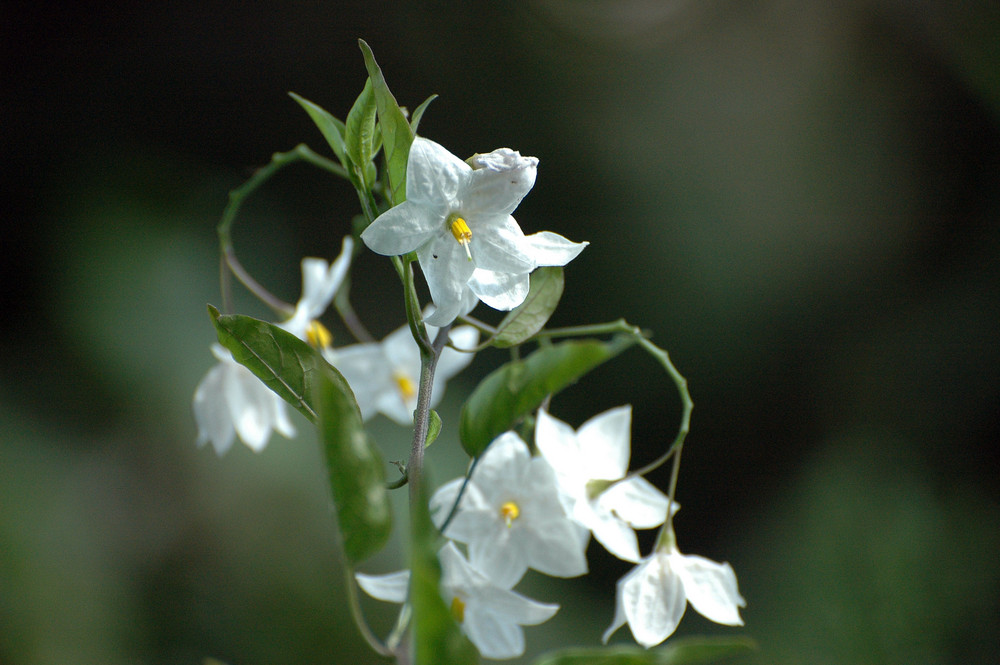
{"x": 318, "y": 336}
{"x": 463, "y": 234}
{"x": 458, "y": 609}
{"x": 509, "y": 512}
{"x": 405, "y": 384}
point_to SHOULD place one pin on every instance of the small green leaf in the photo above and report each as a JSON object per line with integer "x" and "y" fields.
{"x": 418, "y": 113}
{"x": 433, "y": 428}
{"x": 359, "y": 129}
{"x": 516, "y": 389}
{"x": 530, "y": 316}
{"x": 438, "y": 640}
{"x": 332, "y": 129}
{"x": 357, "y": 473}
{"x": 396, "y": 133}
{"x": 285, "y": 363}
{"x": 682, "y": 651}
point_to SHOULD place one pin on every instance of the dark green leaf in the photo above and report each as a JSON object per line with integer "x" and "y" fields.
{"x": 285, "y": 363}
{"x": 418, "y": 113}
{"x": 396, "y": 133}
{"x": 683, "y": 651}
{"x": 516, "y": 389}
{"x": 357, "y": 473}
{"x": 332, "y": 129}
{"x": 359, "y": 130}
{"x": 438, "y": 640}
{"x": 530, "y": 316}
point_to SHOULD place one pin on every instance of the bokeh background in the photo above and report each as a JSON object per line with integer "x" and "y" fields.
{"x": 801, "y": 199}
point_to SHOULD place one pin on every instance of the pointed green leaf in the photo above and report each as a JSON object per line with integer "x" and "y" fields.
{"x": 285, "y": 363}
{"x": 682, "y": 651}
{"x": 433, "y": 428}
{"x": 332, "y": 129}
{"x": 396, "y": 133}
{"x": 516, "y": 389}
{"x": 359, "y": 129}
{"x": 530, "y": 316}
{"x": 418, "y": 113}
{"x": 437, "y": 639}
{"x": 357, "y": 473}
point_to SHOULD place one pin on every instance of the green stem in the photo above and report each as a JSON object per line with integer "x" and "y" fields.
{"x": 421, "y": 416}
{"x": 355, "y": 606}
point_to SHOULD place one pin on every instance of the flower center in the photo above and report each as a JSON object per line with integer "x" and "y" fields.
{"x": 318, "y": 336}
{"x": 405, "y": 385}
{"x": 509, "y": 512}
{"x": 462, "y": 233}
{"x": 458, "y": 609}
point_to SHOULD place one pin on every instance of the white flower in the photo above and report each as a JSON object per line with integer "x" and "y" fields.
{"x": 384, "y": 375}
{"x": 653, "y": 596}
{"x": 511, "y": 516}
{"x": 230, "y": 400}
{"x": 491, "y": 616}
{"x": 587, "y": 462}
{"x": 458, "y": 219}
{"x": 320, "y": 282}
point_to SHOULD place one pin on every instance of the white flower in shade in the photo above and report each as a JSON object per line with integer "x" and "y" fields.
{"x": 587, "y": 463}
{"x": 653, "y": 596}
{"x": 457, "y": 217}
{"x": 384, "y": 375}
{"x": 230, "y": 400}
{"x": 320, "y": 282}
{"x": 511, "y": 517}
{"x": 490, "y": 615}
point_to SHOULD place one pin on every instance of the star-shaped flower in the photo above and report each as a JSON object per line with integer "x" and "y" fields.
{"x": 231, "y": 401}
{"x": 587, "y": 463}
{"x": 384, "y": 375}
{"x": 490, "y": 615}
{"x": 653, "y": 596}
{"x": 457, "y": 217}
{"x": 511, "y": 516}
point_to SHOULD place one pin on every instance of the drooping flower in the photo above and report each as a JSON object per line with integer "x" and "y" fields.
{"x": 457, "y": 217}
{"x": 653, "y": 596}
{"x": 384, "y": 375}
{"x": 490, "y": 615}
{"x": 231, "y": 401}
{"x": 587, "y": 463}
{"x": 511, "y": 516}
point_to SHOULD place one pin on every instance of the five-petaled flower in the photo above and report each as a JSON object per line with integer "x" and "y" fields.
{"x": 384, "y": 375}
{"x": 511, "y": 516}
{"x": 653, "y": 596}
{"x": 457, "y": 217}
{"x": 231, "y": 401}
{"x": 590, "y": 465}
{"x": 491, "y": 615}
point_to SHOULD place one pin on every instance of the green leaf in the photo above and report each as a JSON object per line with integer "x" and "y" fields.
{"x": 359, "y": 130}
{"x": 530, "y": 316}
{"x": 285, "y": 363}
{"x": 357, "y": 473}
{"x": 396, "y": 133}
{"x": 418, "y": 113}
{"x": 433, "y": 428}
{"x": 333, "y": 130}
{"x": 682, "y": 651}
{"x": 438, "y": 640}
{"x": 516, "y": 389}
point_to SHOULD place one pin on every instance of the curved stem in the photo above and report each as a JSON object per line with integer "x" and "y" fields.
{"x": 355, "y": 606}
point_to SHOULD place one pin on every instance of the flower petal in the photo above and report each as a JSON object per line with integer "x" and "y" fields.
{"x": 211, "y": 413}
{"x": 636, "y": 501}
{"x": 404, "y": 228}
{"x": 605, "y": 443}
{"x": 498, "y": 244}
{"x": 391, "y": 587}
{"x": 551, "y": 249}
{"x": 500, "y": 183}
{"x": 499, "y": 290}
{"x": 433, "y": 174}
{"x": 652, "y": 600}
{"x": 710, "y": 587}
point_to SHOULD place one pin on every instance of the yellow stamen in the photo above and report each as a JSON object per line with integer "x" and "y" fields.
{"x": 318, "y": 336}
{"x": 405, "y": 384}
{"x": 509, "y": 512}
{"x": 458, "y": 609}
{"x": 463, "y": 234}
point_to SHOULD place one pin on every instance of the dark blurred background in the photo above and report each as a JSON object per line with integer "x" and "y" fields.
{"x": 801, "y": 200}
